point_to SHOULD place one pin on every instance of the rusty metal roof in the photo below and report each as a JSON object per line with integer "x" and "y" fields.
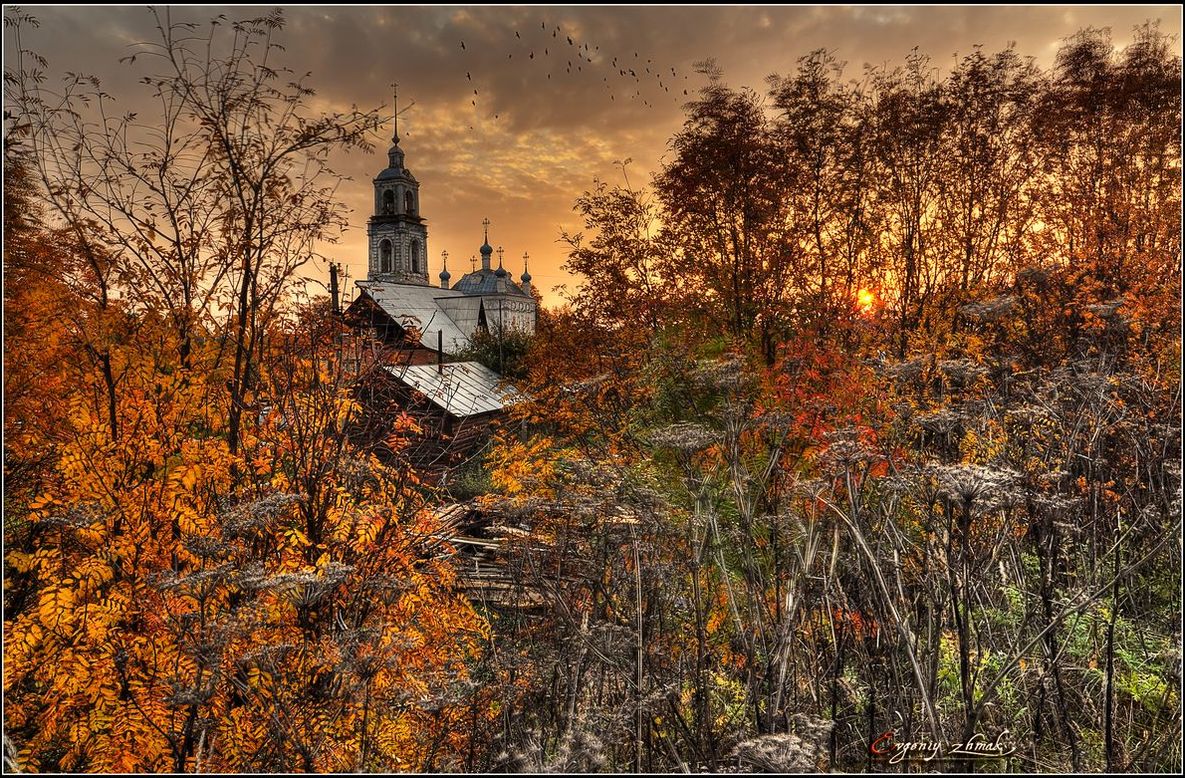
{"x": 461, "y": 388}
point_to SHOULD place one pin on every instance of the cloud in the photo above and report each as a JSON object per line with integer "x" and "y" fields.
{"x": 550, "y": 114}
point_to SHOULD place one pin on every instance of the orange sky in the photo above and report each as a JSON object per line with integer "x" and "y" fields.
{"x": 532, "y": 143}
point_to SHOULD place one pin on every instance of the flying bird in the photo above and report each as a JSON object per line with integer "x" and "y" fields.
{"x": 569, "y": 40}
{"x": 462, "y": 45}
{"x": 516, "y": 34}
{"x": 532, "y": 55}
{"x": 467, "y": 76}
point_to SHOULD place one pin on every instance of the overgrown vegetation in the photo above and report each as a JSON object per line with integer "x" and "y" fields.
{"x": 865, "y": 417}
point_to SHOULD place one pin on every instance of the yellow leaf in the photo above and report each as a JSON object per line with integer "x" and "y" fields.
{"x": 297, "y": 537}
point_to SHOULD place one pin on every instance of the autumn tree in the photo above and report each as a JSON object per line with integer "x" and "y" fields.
{"x": 194, "y": 584}
{"x": 990, "y": 162}
{"x": 197, "y": 625}
{"x": 824, "y": 130}
{"x": 751, "y": 536}
{"x": 621, "y": 255}
{"x": 37, "y": 338}
{"x": 1107, "y": 130}
{"x": 205, "y": 209}
{"x": 733, "y": 243}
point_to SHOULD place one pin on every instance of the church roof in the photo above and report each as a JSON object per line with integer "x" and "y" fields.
{"x": 461, "y": 388}
{"x": 417, "y": 306}
{"x": 486, "y": 282}
{"x": 443, "y": 316}
{"x": 389, "y": 173}
{"x": 464, "y": 310}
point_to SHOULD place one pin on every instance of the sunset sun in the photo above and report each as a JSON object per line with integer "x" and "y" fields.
{"x": 865, "y": 300}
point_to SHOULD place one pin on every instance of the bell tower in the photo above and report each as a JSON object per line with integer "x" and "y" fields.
{"x": 397, "y": 235}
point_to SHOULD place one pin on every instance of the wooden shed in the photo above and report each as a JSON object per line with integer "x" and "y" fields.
{"x": 453, "y": 406}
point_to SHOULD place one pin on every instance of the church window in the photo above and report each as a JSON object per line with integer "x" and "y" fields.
{"x": 415, "y": 257}
{"x": 385, "y": 257}
{"x": 409, "y": 204}
{"x": 388, "y": 202}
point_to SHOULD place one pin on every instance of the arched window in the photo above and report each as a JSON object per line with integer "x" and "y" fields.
{"x": 385, "y": 263}
{"x": 388, "y": 202}
{"x": 415, "y": 257}
{"x": 409, "y": 204}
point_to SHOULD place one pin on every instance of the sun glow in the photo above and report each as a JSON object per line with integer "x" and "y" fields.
{"x": 865, "y": 300}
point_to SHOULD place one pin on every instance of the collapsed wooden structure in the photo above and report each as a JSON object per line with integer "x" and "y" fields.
{"x": 479, "y": 551}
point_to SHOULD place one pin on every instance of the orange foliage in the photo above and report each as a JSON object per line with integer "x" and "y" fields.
{"x": 173, "y": 607}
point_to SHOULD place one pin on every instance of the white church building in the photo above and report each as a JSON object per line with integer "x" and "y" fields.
{"x": 398, "y": 300}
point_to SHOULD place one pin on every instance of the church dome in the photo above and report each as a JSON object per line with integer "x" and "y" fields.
{"x": 482, "y": 282}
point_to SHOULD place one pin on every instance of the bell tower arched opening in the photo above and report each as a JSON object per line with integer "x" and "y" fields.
{"x": 416, "y": 257}
{"x": 386, "y": 263}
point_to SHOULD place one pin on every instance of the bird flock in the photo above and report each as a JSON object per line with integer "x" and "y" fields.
{"x": 559, "y": 54}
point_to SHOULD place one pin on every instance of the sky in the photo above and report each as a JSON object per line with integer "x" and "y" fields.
{"x": 515, "y": 124}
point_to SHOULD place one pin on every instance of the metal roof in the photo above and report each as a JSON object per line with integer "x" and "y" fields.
{"x": 464, "y": 310}
{"x": 387, "y": 174}
{"x": 486, "y": 282}
{"x": 461, "y": 388}
{"x": 417, "y": 306}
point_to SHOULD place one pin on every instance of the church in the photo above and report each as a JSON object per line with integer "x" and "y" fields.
{"x": 415, "y": 330}
{"x": 427, "y": 322}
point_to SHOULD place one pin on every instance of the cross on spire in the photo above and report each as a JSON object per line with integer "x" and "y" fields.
{"x": 486, "y": 224}
{"x": 499, "y": 256}
{"x": 444, "y": 259}
{"x": 395, "y": 123}
{"x": 526, "y": 276}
